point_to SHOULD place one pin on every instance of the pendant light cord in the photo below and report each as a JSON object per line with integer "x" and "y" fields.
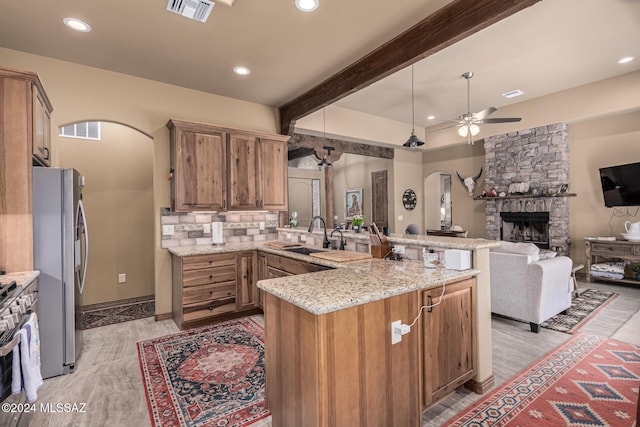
{"x": 413, "y": 114}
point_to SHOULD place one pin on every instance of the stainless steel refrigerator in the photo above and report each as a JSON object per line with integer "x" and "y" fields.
{"x": 60, "y": 245}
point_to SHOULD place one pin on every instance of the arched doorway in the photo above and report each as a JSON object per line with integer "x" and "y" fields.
{"x": 118, "y": 198}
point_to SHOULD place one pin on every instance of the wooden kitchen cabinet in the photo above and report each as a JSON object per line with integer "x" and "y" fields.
{"x": 213, "y": 287}
{"x": 24, "y": 126}
{"x": 199, "y": 165}
{"x": 274, "y": 186}
{"x": 448, "y": 339}
{"x": 280, "y": 266}
{"x": 246, "y": 288}
{"x": 216, "y": 168}
{"x": 42, "y": 128}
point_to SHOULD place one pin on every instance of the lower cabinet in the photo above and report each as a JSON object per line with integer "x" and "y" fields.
{"x": 213, "y": 287}
{"x": 448, "y": 339}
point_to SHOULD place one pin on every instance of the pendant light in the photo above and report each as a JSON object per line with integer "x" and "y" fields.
{"x": 325, "y": 162}
{"x": 413, "y": 140}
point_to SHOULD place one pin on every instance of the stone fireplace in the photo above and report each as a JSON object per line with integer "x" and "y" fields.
{"x": 539, "y": 157}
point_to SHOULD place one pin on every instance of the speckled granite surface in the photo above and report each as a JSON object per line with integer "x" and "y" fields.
{"x": 358, "y": 283}
{"x": 350, "y": 283}
{"x": 22, "y": 278}
{"x": 442, "y": 241}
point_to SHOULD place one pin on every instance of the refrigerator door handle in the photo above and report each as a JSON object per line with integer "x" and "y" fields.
{"x": 81, "y": 227}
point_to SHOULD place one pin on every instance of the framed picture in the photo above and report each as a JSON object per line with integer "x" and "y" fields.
{"x": 352, "y": 202}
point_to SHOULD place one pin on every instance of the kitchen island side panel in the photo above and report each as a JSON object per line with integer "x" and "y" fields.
{"x": 340, "y": 368}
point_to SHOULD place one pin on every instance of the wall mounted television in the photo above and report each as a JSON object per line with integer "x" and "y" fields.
{"x": 621, "y": 185}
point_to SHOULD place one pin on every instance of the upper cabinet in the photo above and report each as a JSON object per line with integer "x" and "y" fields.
{"x": 41, "y": 128}
{"x": 24, "y": 126}
{"x": 217, "y": 168}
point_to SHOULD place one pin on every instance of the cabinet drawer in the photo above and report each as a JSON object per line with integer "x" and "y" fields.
{"x": 204, "y": 261}
{"x": 273, "y": 273}
{"x": 209, "y": 309}
{"x": 289, "y": 265}
{"x": 206, "y": 276}
{"x": 201, "y": 294}
{"x": 611, "y": 249}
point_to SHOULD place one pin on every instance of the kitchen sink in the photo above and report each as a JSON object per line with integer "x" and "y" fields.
{"x": 303, "y": 250}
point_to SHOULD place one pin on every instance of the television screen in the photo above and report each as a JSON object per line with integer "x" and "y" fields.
{"x": 621, "y": 185}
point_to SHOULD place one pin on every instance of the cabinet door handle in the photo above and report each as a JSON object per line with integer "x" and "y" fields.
{"x": 210, "y": 308}
{"x": 210, "y": 261}
{"x": 429, "y": 303}
{"x": 224, "y": 204}
{"x": 211, "y": 276}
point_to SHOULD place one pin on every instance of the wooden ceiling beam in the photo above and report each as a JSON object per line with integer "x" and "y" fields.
{"x": 448, "y": 25}
{"x": 340, "y": 146}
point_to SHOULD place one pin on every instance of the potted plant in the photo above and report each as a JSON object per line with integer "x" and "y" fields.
{"x": 357, "y": 222}
{"x": 636, "y": 270}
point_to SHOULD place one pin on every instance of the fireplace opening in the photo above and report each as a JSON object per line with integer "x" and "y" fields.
{"x": 529, "y": 227}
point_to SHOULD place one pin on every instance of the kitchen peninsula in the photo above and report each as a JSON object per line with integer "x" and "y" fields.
{"x": 329, "y": 357}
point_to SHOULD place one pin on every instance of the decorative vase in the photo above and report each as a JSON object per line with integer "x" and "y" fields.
{"x": 356, "y": 228}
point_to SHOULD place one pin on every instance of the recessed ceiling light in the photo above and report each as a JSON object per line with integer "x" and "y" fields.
{"x": 307, "y": 5}
{"x": 76, "y": 24}
{"x": 513, "y": 93}
{"x": 242, "y": 71}
{"x": 626, "y": 59}
{"x": 431, "y": 117}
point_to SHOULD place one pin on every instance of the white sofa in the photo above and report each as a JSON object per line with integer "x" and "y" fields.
{"x": 528, "y": 288}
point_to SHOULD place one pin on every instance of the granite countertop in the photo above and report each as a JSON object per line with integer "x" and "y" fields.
{"x": 413, "y": 239}
{"x": 22, "y": 278}
{"x": 358, "y": 283}
{"x": 348, "y": 284}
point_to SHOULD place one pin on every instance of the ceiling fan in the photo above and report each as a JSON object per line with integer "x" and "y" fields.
{"x": 468, "y": 122}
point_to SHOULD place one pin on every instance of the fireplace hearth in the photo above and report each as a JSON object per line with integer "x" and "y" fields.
{"x": 528, "y": 227}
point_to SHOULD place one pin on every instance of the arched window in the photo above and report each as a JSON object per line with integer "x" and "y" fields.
{"x": 82, "y": 130}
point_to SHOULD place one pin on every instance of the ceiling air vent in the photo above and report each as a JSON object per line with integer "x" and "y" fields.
{"x": 198, "y": 10}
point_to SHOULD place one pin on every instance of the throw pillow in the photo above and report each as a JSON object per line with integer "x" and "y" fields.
{"x": 547, "y": 254}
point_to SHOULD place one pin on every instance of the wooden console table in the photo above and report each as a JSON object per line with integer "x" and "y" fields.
{"x": 617, "y": 249}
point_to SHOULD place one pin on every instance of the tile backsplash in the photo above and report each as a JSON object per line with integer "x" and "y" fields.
{"x": 194, "y": 228}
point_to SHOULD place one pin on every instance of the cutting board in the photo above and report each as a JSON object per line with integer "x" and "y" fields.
{"x": 279, "y": 245}
{"x": 341, "y": 256}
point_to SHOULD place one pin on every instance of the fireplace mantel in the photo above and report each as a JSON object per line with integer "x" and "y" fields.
{"x": 525, "y": 196}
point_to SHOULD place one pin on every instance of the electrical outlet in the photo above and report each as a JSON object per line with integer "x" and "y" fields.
{"x": 396, "y": 336}
{"x": 167, "y": 230}
{"x": 288, "y": 236}
{"x": 262, "y": 225}
{"x": 303, "y": 238}
{"x": 122, "y": 277}
{"x": 206, "y": 228}
{"x": 400, "y": 217}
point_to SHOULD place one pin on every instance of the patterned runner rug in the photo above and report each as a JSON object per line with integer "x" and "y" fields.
{"x": 583, "y": 307}
{"x": 588, "y": 381}
{"x": 211, "y": 376}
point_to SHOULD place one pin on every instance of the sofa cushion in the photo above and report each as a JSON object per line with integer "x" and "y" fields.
{"x": 519, "y": 249}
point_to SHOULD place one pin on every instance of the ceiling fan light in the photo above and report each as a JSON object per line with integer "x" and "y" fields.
{"x": 474, "y": 129}
{"x": 463, "y": 131}
{"x": 413, "y": 141}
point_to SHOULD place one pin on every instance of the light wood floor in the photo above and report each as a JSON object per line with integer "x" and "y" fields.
{"x": 108, "y": 379}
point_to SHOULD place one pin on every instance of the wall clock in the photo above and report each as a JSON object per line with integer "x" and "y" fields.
{"x": 409, "y": 199}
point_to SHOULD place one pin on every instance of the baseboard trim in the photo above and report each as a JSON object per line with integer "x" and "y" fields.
{"x": 118, "y": 303}
{"x": 163, "y": 316}
{"x": 480, "y": 387}
{"x": 112, "y": 312}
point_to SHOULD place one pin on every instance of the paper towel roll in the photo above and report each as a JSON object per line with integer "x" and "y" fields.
{"x": 217, "y": 236}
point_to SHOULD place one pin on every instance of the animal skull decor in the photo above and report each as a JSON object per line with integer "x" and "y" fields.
{"x": 470, "y": 182}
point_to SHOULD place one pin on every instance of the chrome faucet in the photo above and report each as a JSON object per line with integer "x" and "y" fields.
{"x": 342, "y": 242}
{"x": 325, "y": 243}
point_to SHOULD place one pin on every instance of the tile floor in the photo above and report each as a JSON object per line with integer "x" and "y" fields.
{"x": 107, "y": 377}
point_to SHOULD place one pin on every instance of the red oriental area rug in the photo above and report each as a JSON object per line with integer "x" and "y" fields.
{"x": 588, "y": 381}
{"x": 210, "y": 376}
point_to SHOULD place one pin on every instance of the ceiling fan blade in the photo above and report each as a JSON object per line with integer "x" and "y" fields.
{"x": 480, "y": 115}
{"x": 500, "y": 120}
{"x": 446, "y": 127}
